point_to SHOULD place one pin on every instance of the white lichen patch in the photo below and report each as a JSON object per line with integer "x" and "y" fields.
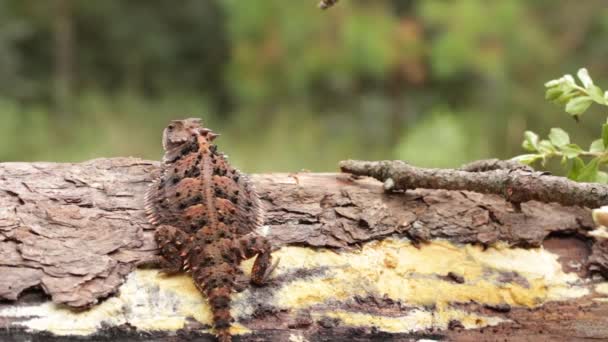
{"x": 297, "y": 338}
{"x": 600, "y": 232}
{"x": 148, "y": 300}
{"x": 600, "y": 216}
{"x": 602, "y": 288}
{"x": 391, "y": 268}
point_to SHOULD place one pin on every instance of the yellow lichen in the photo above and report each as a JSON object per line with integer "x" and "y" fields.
{"x": 392, "y": 268}
{"x": 192, "y": 303}
{"x": 414, "y": 278}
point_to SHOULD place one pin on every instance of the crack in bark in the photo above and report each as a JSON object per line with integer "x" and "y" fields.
{"x": 15, "y": 195}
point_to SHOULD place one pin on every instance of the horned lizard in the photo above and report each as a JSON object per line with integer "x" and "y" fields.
{"x": 206, "y": 213}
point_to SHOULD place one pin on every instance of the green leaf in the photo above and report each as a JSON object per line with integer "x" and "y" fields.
{"x": 546, "y": 147}
{"x": 589, "y": 172}
{"x": 583, "y": 75}
{"x": 553, "y": 94}
{"x": 578, "y": 105}
{"x": 597, "y": 146}
{"x": 527, "y": 158}
{"x": 559, "y": 137}
{"x": 566, "y": 96}
{"x": 553, "y": 83}
{"x": 596, "y": 94}
{"x": 531, "y": 141}
{"x": 605, "y": 134}
{"x": 602, "y": 177}
{"x": 575, "y": 168}
{"x": 571, "y": 150}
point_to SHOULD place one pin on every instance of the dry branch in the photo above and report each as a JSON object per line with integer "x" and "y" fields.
{"x": 75, "y": 231}
{"x": 494, "y": 164}
{"x": 516, "y": 185}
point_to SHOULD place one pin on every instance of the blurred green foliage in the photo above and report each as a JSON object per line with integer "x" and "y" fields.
{"x": 576, "y": 99}
{"x": 290, "y": 87}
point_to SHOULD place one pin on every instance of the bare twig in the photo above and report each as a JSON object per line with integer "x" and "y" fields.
{"x": 494, "y": 164}
{"x": 515, "y": 185}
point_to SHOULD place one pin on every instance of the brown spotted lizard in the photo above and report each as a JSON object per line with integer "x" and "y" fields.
{"x": 206, "y": 213}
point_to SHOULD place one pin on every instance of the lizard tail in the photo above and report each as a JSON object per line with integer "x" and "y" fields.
{"x": 216, "y": 282}
{"x": 224, "y": 336}
{"x": 219, "y": 299}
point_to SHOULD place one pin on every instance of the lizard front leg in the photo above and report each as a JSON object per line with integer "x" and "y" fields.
{"x": 249, "y": 246}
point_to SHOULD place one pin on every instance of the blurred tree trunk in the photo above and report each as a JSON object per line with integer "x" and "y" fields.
{"x": 63, "y": 50}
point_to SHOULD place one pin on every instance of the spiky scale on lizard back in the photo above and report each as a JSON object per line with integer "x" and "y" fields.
{"x": 206, "y": 213}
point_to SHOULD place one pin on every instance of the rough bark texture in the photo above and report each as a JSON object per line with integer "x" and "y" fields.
{"x": 518, "y": 185}
{"x": 76, "y": 230}
{"x": 494, "y": 164}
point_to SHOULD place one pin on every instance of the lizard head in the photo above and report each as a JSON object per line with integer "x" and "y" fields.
{"x": 179, "y": 132}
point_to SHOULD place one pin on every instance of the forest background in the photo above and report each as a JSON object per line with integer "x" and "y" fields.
{"x": 290, "y": 87}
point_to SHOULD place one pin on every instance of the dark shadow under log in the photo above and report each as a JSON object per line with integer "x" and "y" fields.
{"x": 356, "y": 263}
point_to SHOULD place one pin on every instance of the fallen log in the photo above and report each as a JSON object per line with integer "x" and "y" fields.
{"x": 356, "y": 263}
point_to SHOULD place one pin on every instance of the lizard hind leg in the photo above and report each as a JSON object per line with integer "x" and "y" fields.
{"x": 173, "y": 244}
{"x": 251, "y": 245}
{"x": 263, "y": 268}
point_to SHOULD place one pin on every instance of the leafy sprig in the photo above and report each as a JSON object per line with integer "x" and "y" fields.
{"x": 576, "y": 99}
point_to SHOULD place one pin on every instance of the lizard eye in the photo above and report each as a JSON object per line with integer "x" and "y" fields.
{"x": 171, "y": 127}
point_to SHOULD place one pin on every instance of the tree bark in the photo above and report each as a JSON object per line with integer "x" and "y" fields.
{"x": 356, "y": 263}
